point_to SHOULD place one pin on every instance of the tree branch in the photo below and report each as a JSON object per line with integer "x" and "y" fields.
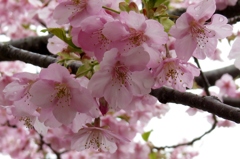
{"x": 10, "y": 53}
{"x": 214, "y": 75}
{"x": 33, "y": 44}
{"x": 207, "y": 103}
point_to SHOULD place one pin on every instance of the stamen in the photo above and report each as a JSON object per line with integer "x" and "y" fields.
{"x": 122, "y": 74}
{"x": 201, "y": 33}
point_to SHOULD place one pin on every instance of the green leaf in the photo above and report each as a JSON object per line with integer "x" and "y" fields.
{"x": 153, "y": 155}
{"x": 83, "y": 70}
{"x": 167, "y": 23}
{"x": 146, "y": 135}
{"x": 61, "y": 34}
{"x": 123, "y": 6}
{"x": 159, "y": 2}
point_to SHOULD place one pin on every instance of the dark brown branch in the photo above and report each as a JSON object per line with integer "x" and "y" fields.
{"x": 33, "y": 44}
{"x": 207, "y": 103}
{"x": 214, "y": 75}
{"x": 232, "y": 101}
{"x": 10, "y": 53}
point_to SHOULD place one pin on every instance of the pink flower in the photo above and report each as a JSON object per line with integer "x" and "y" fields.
{"x": 58, "y": 92}
{"x": 193, "y": 37}
{"x": 75, "y": 11}
{"x": 175, "y": 73}
{"x": 227, "y": 85}
{"x": 234, "y": 52}
{"x": 222, "y": 4}
{"x": 96, "y": 138}
{"x": 133, "y": 30}
{"x": 118, "y": 78}
{"x": 56, "y": 45}
{"x": 91, "y": 31}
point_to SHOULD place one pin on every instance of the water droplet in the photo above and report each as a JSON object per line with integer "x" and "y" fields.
{"x": 221, "y": 19}
{"x": 228, "y": 28}
{"x": 197, "y": 8}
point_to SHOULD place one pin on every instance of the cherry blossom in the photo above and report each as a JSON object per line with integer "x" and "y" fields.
{"x": 227, "y": 85}
{"x": 117, "y": 80}
{"x": 192, "y": 31}
{"x": 91, "y": 30}
{"x": 60, "y": 94}
{"x": 133, "y": 30}
{"x": 56, "y": 45}
{"x": 175, "y": 73}
{"x": 75, "y": 11}
{"x": 96, "y": 138}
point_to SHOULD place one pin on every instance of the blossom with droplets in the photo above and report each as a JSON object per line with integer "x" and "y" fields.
{"x": 175, "y": 73}
{"x": 132, "y": 30}
{"x": 74, "y": 11}
{"x": 96, "y": 138}
{"x": 118, "y": 78}
{"x": 58, "y": 92}
{"x": 194, "y": 36}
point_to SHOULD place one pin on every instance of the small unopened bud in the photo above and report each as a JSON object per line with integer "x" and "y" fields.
{"x": 103, "y": 106}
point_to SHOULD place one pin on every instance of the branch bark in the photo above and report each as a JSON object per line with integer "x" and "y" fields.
{"x": 33, "y": 44}
{"x": 214, "y": 75}
{"x": 207, "y": 103}
{"x": 10, "y": 53}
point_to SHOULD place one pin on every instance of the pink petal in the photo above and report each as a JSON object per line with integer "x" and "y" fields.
{"x": 54, "y": 72}
{"x": 203, "y": 10}
{"x": 181, "y": 28}
{"x": 139, "y": 63}
{"x": 184, "y": 47}
{"x": 41, "y": 92}
{"x": 220, "y": 26}
{"x": 64, "y": 114}
{"x": 62, "y": 12}
{"x": 114, "y": 30}
{"x": 155, "y": 32}
{"x": 234, "y": 52}
{"x": 117, "y": 96}
{"x": 133, "y": 19}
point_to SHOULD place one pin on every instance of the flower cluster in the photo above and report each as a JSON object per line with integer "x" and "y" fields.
{"x": 124, "y": 54}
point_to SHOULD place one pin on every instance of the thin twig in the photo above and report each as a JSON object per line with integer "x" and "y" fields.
{"x": 205, "y": 81}
{"x": 190, "y": 142}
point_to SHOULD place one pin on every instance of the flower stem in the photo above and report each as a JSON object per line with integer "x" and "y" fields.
{"x": 110, "y": 9}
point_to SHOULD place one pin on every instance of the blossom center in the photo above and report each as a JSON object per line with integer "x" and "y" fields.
{"x": 137, "y": 37}
{"x": 101, "y": 39}
{"x": 172, "y": 72}
{"x": 62, "y": 95}
{"x": 80, "y": 6}
{"x": 27, "y": 122}
{"x": 62, "y": 91}
{"x": 201, "y": 33}
{"x": 121, "y": 73}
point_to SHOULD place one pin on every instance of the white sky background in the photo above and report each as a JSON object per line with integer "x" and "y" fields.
{"x": 222, "y": 143}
